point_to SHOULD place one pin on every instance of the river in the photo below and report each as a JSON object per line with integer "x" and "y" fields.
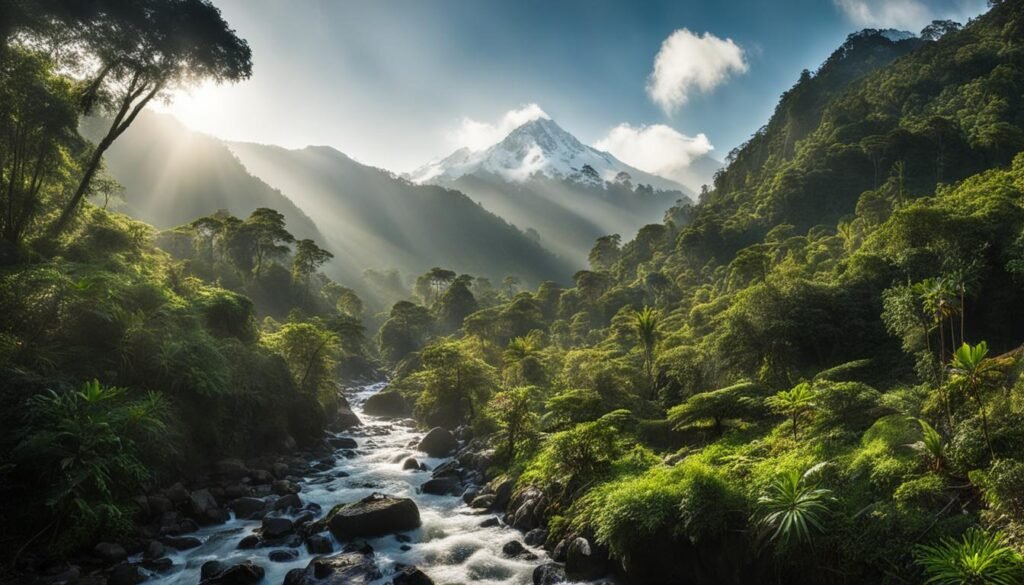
{"x": 450, "y": 546}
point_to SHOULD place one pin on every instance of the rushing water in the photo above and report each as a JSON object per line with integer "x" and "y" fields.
{"x": 450, "y": 546}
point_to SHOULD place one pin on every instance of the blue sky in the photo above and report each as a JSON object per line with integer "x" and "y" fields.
{"x": 396, "y": 83}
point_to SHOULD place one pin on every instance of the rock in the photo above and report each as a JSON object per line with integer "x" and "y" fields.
{"x": 181, "y": 542}
{"x": 343, "y": 443}
{"x": 69, "y": 575}
{"x": 261, "y": 477}
{"x": 513, "y": 548}
{"x": 110, "y": 552}
{"x": 126, "y": 575}
{"x": 345, "y": 419}
{"x": 276, "y": 526}
{"x": 558, "y": 553}
{"x": 285, "y": 502}
{"x": 483, "y": 502}
{"x": 549, "y": 574}
{"x": 230, "y": 468}
{"x": 388, "y": 403}
{"x": 280, "y": 470}
{"x": 289, "y": 444}
{"x": 439, "y": 442}
{"x": 177, "y": 493}
{"x": 536, "y": 537}
{"x": 490, "y": 522}
{"x": 210, "y": 569}
{"x": 285, "y": 555}
{"x": 250, "y": 541}
{"x": 201, "y": 501}
{"x": 248, "y": 508}
{"x": 470, "y": 494}
{"x": 283, "y": 487}
{"x": 503, "y": 493}
{"x": 159, "y": 565}
{"x": 154, "y": 550}
{"x": 353, "y": 568}
{"x": 441, "y": 487}
{"x": 411, "y": 464}
{"x": 247, "y": 573}
{"x": 585, "y": 562}
{"x": 411, "y": 576}
{"x": 158, "y": 506}
{"x": 375, "y": 515}
{"x": 318, "y": 544}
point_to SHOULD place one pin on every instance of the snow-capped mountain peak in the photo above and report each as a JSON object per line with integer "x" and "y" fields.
{"x": 542, "y": 148}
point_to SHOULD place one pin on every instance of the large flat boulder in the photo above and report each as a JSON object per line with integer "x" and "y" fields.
{"x": 352, "y": 568}
{"x": 375, "y": 515}
{"x": 388, "y": 403}
{"x": 439, "y": 442}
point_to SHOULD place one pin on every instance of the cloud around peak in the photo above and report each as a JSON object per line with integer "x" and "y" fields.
{"x": 688, "y": 63}
{"x": 907, "y": 14}
{"x": 477, "y": 135}
{"x": 657, "y": 148}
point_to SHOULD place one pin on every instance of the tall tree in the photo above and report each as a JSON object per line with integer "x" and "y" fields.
{"x": 270, "y": 239}
{"x": 645, "y": 323}
{"x": 307, "y": 259}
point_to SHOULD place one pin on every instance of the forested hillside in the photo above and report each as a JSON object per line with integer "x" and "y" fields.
{"x": 812, "y": 376}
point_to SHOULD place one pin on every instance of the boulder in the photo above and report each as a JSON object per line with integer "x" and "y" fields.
{"x": 375, "y": 515}
{"x": 159, "y": 565}
{"x": 352, "y": 568}
{"x": 411, "y": 576}
{"x": 513, "y": 548}
{"x": 283, "y": 487}
{"x": 549, "y": 574}
{"x": 177, "y": 493}
{"x": 411, "y": 464}
{"x": 503, "y": 492}
{"x": 584, "y": 561}
{"x": 470, "y": 494}
{"x": 345, "y": 419}
{"x": 439, "y": 442}
{"x": 158, "y": 506}
{"x": 126, "y": 575}
{"x": 445, "y": 486}
{"x": 388, "y": 403}
{"x": 490, "y": 522}
{"x": 483, "y": 502}
{"x": 536, "y": 537}
{"x": 343, "y": 443}
{"x": 230, "y": 468}
{"x": 110, "y": 552}
{"x": 284, "y": 555}
{"x": 248, "y": 508}
{"x": 154, "y": 550}
{"x": 247, "y": 573}
{"x": 181, "y": 542}
{"x": 276, "y": 526}
{"x": 318, "y": 544}
{"x": 285, "y": 502}
{"x": 204, "y": 506}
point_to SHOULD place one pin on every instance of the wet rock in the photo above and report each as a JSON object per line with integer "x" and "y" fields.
{"x": 235, "y": 490}
{"x": 280, "y": 470}
{"x": 250, "y": 541}
{"x": 125, "y": 575}
{"x": 536, "y": 537}
{"x": 513, "y": 548}
{"x": 345, "y": 419}
{"x": 110, "y": 552}
{"x": 441, "y": 487}
{"x": 352, "y": 568}
{"x": 388, "y": 403}
{"x": 411, "y": 576}
{"x": 158, "y": 505}
{"x": 375, "y": 515}
{"x": 276, "y": 526}
{"x": 411, "y": 464}
{"x": 283, "y": 487}
{"x": 249, "y": 508}
{"x": 285, "y": 555}
{"x": 160, "y": 565}
{"x": 503, "y": 492}
{"x": 181, "y": 542}
{"x": 154, "y": 550}
{"x": 290, "y": 501}
{"x": 343, "y": 443}
{"x": 490, "y": 522}
{"x": 483, "y": 502}
{"x": 230, "y": 468}
{"x": 439, "y": 442}
{"x": 470, "y": 494}
{"x": 549, "y": 574}
{"x": 584, "y": 561}
{"x": 210, "y": 568}
{"x": 318, "y": 544}
{"x": 247, "y": 573}
{"x": 177, "y": 493}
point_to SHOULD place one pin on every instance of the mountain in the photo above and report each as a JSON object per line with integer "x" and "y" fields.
{"x": 172, "y": 175}
{"x": 543, "y": 178}
{"x": 374, "y": 219}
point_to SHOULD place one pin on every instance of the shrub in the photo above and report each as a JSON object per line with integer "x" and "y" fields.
{"x": 978, "y": 557}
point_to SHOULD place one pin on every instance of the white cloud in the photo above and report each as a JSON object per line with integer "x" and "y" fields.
{"x": 689, "y": 62}
{"x": 477, "y": 135}
{"x": 907, "y": 14}
{"x": 656, "y": 149}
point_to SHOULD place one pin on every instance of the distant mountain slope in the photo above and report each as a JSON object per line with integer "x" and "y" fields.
{"x": 375, "y": 219}
{"x": 172, "y": 175}
{"x": 542, "y": 177}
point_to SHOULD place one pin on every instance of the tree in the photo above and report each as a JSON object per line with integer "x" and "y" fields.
{"x": 606, "y": 251}
{"x": 793, "y": 403}
{"x": 513, "y": 410}
{"x": 939, "y": 28}
{"x": 268, "y": 236}
{"x": 511, "y": 284}
{"x": 522, "y": 363}
{"x": 311, "y": 354}
{"x": 405, "y": 331}
{"x": 454, "y": 385}
{"x": 646, "y": 326}
{"x": 733, "y": 401}
{"x": 456, "y": 304}
{"x": 429, "y": 285}
{"x": 975, "y": 373}
{"x": 307, "y": 259}
{"x": 39, "y": 141}
{"x": 145, "y": 49}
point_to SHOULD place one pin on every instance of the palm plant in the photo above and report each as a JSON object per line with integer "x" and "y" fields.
{"x": 974, "y": 372}
{"x": 793, "y": 403}
{"x": 932, "y": 445}
{"x": 646, "y": 326}
{"x": 793, "y": 507}
{"x": 978, "y": 558}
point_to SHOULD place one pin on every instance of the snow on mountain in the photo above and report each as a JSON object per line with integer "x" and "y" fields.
{"x": 539, "y": 147}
